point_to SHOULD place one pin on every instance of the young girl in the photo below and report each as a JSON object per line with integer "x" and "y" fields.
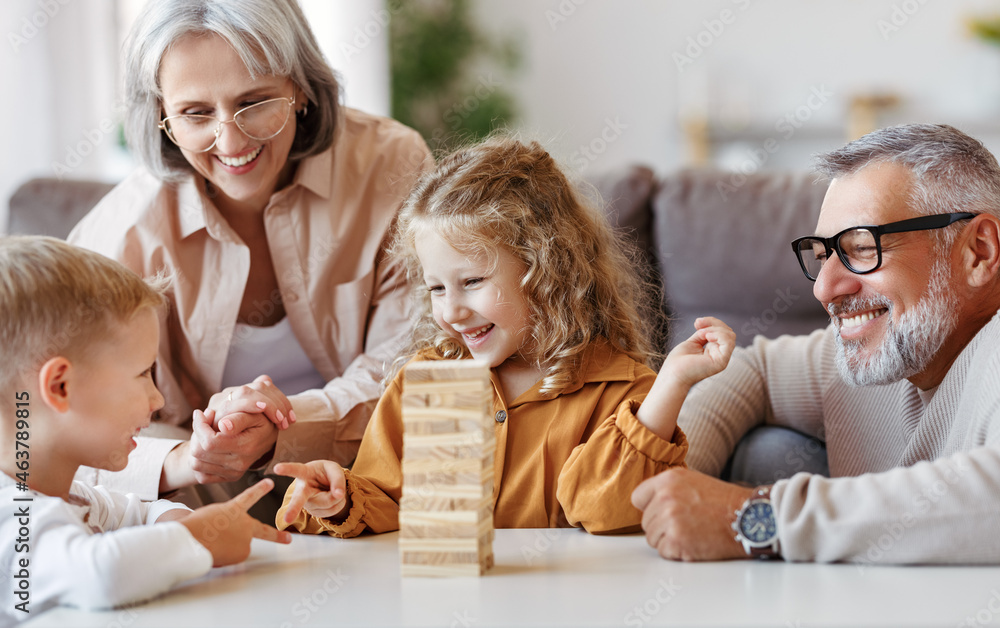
{"x": 511, "y": 267}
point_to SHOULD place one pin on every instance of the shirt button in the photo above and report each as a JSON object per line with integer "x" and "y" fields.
{"x": 501, "y": 416}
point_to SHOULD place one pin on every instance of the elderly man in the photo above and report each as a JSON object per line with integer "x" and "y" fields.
{"x": 904, "y": 385}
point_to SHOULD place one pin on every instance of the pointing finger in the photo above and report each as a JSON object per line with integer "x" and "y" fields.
{"x": 293, "y": 470}
{"x": 643, "y": 494}
{"x": 250, "y": 496}
{"x": 267, "y": 533}
{"x": 301, "y": 492}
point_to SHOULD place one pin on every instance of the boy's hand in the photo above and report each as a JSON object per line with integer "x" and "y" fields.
{"x": 225, "y": 457}
{"x": 320, "y": 487}
{"x": 702, "y": 355}
{"x": 226, "y": 529}
{"x": 260, "y": 396}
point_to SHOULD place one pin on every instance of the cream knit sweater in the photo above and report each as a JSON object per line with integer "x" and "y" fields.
{"x": 915, "y": 476}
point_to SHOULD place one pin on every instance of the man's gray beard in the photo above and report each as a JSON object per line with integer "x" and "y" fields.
{"x": 909, "y": 345}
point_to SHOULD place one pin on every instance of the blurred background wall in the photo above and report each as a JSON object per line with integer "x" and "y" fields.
{"x": 738, "y": 84}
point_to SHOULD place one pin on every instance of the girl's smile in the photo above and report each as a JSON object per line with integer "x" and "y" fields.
{"x": 476, "y": 301}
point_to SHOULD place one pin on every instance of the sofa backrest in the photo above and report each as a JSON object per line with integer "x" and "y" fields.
{"x": 722, "y": 241}
{"x": 50, "y": 206}
{"x": 720, "y": 244}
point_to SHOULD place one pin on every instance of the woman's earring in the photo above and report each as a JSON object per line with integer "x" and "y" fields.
{"x": 304, "y": 110}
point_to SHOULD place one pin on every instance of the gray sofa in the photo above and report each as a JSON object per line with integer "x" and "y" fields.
{"x": 719, "y": 242}
{"x": 722, "y": 249}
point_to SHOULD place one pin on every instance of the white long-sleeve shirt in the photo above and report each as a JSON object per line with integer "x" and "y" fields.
{"x": 915, "y": 475}
{"x": 97, "y": 552}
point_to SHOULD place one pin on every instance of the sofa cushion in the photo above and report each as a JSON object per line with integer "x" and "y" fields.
{"x": 51, "y": 206}
{"x": 624, "y": 196}
{"x": 723, "y": 250}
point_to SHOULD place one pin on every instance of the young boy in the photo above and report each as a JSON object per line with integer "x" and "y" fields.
{"x": 79, "y": 334}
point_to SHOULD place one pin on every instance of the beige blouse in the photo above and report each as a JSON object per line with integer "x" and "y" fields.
{"x": 347, "y": 304}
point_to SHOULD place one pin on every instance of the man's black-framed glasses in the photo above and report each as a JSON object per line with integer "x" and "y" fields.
{"x": 860, "y": 248}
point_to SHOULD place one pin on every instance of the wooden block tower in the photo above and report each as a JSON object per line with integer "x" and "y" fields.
{"x": 446, "y": 510}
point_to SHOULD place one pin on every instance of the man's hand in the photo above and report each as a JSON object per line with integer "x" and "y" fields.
{"x": 320, "y": 487}
{"x": 226, "y": 529}
{"x": 688, "y": 515}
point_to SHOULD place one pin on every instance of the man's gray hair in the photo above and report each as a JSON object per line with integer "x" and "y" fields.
{"x": 272, "y": 37}
{"x": 952, "y": 172}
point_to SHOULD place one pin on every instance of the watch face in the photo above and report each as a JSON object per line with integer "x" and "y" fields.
{"x": 757, "y": 522}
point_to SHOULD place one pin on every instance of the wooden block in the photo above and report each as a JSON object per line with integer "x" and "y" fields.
{"x": 446, "y": 509}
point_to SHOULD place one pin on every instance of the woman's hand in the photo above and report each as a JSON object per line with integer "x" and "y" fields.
{"x": 211, "y": 456}
{"x": 260, "y": 396}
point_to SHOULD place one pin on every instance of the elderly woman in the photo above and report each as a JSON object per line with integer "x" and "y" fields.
{"x": 270, "y": 203}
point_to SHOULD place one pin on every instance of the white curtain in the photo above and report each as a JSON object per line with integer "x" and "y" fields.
{"x": 354, "y": 36}
{"x": 59, "y": 110}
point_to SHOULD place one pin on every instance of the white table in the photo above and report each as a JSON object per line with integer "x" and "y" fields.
{"x": 553, "y": 578}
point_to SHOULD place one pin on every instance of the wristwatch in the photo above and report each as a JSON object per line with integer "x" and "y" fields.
{"x": 755, "y": 526}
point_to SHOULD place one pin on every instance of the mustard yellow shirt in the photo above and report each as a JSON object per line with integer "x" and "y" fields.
{"x": 562, "y": 459}
{"x": 346, "y": 303}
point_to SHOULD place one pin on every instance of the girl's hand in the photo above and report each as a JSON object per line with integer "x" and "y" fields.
{"x": 260, "y": 396}
{"x": 704, "y": 354}
{"x": 320, "y": 487}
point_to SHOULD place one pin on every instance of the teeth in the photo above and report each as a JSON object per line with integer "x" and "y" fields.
{"x": 241, "y": 161}
{"x": 479, "y": 332}
{"x": 854, "y": 321}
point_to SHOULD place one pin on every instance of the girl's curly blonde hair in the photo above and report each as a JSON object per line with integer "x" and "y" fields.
{"x": 581, "y": 282}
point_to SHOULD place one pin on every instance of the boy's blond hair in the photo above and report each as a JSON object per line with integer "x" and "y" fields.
{"x": 582, "y": 281}
{"x": 57, "y": 299}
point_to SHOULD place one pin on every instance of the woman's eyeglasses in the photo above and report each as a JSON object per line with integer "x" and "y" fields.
{"x": 198, "y": 133}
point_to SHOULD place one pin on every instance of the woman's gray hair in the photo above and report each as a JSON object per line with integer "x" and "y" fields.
{"x": 952, "y": 172}
{"x": 272, "y": 37}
